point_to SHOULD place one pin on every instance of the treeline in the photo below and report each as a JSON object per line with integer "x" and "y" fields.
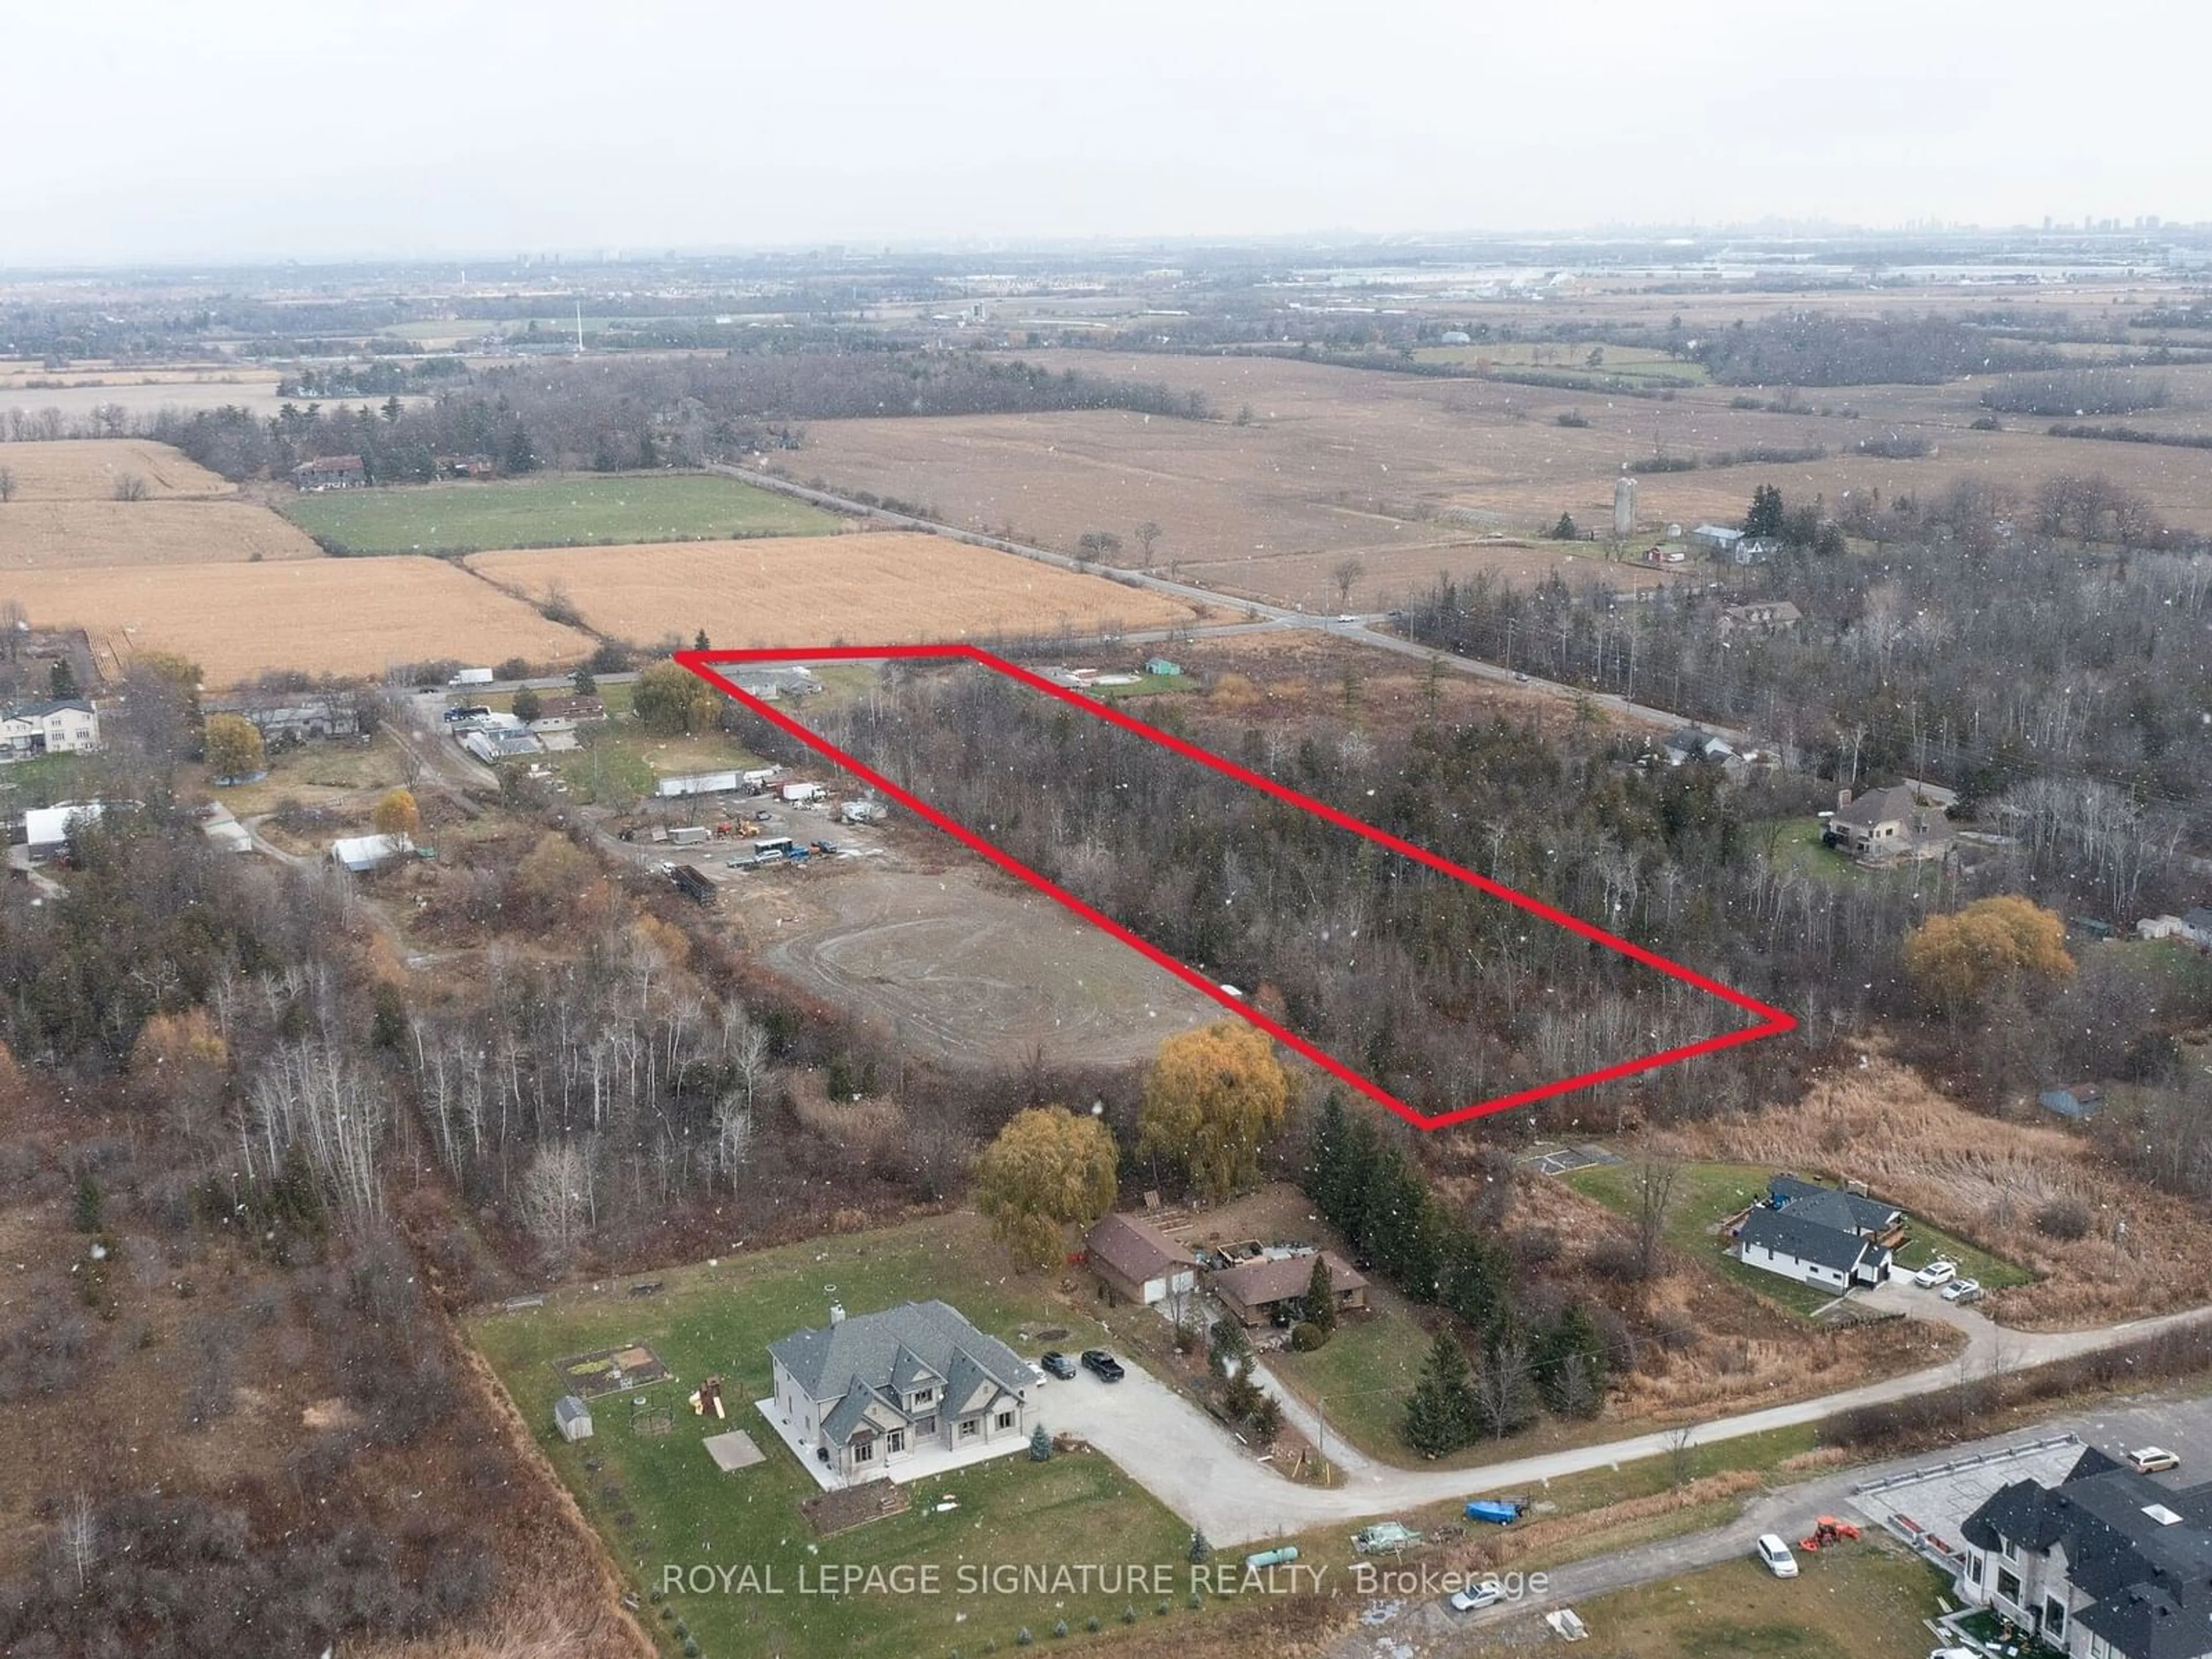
{"x": 2088, "y": 670}
{"x": 645, "y": 414}
{"x": 1535, "y": 1344}
{"x": 1814, "y": 348}
{"x": 1439, "y": 992}
{"x": 2135, "y": 434}
{"x": 2078, "y": 391}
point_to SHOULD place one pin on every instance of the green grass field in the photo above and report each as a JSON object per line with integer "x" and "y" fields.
{"x": 1866, "y": 1600}
{"x": 660, "y": 1502}
{"x": 554, "y": 510}
{"x": 1362, "y": 1379}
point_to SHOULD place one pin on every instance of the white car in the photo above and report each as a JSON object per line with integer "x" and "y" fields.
{"x": 1963, "y": 1290}
{"x": 1774, "y": 1555}
{"x": 1488, "y": 1594}
{"x": 2152, "y": 1460}
{"x": 1942, "y": 1270}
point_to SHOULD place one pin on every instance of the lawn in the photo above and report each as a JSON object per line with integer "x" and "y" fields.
{"x": 315, "y": 773}
{"x": 44, "y": 780}
{"x": 554, "y": 510}
{"x": 660, "y": 1503}
{"x": 1866, "y": 1600}
{"x": 1362, "y": 1379}
{"x": 618, "y": 762}
{"x": 1706, "y": 1194}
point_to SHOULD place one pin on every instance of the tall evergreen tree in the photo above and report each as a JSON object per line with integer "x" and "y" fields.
{"x": 1321, "y": 1297}
{"x": 1440, "y": 1416}
{"x": 1324, "y": 1175}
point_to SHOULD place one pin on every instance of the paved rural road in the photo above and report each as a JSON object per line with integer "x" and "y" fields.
{"x": 1267, "y": 615}
{"x": 1181, "y": 1455}
{"x": 2183, "y": 1424}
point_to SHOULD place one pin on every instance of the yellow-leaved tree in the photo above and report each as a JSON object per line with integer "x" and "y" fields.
{"x": 1048, "y": 1170}
{"x": 1955, "y": 960}
{"x": 234, "y": 748}
{"x": 1211, "y": 1099}
{"x": 397, "y": 814}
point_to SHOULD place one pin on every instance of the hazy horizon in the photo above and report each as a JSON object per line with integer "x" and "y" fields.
{"x": 413, "y": 131}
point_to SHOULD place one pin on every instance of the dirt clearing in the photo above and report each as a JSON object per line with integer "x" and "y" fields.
{"x": 880, "y": 588}
{"x": 962, "y": 961}
{"x": 346, "y": 616}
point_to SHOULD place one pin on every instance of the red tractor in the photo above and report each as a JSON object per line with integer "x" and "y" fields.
{"x": 1827, "y": 1530}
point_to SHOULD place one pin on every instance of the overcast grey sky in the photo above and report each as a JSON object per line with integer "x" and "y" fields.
{"x": 241, "y": 128}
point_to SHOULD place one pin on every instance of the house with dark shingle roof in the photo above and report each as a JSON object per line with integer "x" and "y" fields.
{"x": 1889, "y": 823}
{"x": 1810, "y": 1251}
{"x": 2107, "y": 1565}
{"x": 864, "y": 1395}
{"x": 1833, "y": 1207}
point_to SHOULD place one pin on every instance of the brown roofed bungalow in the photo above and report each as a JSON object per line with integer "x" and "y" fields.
{"x": 1253, "y": 1291}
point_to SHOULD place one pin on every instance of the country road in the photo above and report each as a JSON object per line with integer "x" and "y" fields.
{"x": 1235, "y": 1499}
{"x": 1262, "y": 615}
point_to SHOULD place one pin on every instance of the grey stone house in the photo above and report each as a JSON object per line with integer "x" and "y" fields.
{"x": 2107, "y": 1565}
{"x": 863, "y": 1395}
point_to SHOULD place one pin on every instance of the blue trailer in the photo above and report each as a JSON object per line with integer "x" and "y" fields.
{"x": 1500, "y": 1511}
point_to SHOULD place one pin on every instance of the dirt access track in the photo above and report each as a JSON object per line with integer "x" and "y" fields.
{"x": 958, "y": 959}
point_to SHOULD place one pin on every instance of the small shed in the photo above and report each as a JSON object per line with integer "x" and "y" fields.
{"x": 1161, "y": 668}
{"x": 573, "y": 1418}
{"x": 363, "y": 853}
{"x": 2079, "y": 1101}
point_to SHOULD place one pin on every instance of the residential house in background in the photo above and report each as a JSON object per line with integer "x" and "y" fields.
{"x": 1138, "y": 1263}
{"x": 331, "y": 472}
{"x": 292, "y": 717}
{"x": 59, "y": 725}
{"x": 464, "y": 466}
{"x": 2107, "y": 1565}
{"x": 1691, "y": 742}
{"x": 1883, "y": 824}
{"x": 862, "y": 1396}
{"x": 1762, "y": 616}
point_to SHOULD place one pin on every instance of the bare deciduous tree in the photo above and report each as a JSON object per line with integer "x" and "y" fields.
{"x": 1654, "y": 1194}
{"x": 1344, "y": 573}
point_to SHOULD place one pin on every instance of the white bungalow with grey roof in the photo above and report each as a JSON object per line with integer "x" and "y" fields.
{"x": 915, "y": 1385}
{"x": 1809, "y": 1251}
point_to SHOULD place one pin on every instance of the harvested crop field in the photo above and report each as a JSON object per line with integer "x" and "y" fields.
{"x": 89, "y": 470}
{"x": 558, "y": 510}
{"x": 323, "y": 616}
{"x": 72, "y": 535}
{"x": 1304, "y": 462}
{"x": 881, "y": 588}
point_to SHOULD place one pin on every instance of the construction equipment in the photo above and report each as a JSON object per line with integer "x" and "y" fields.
{"x": 1825, "y": 1531}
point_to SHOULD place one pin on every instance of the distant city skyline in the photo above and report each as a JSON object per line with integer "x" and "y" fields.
{"x": 381, "y": 129}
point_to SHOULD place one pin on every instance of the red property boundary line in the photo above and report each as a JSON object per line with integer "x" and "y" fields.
{"x": 1770, "y": 1022}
